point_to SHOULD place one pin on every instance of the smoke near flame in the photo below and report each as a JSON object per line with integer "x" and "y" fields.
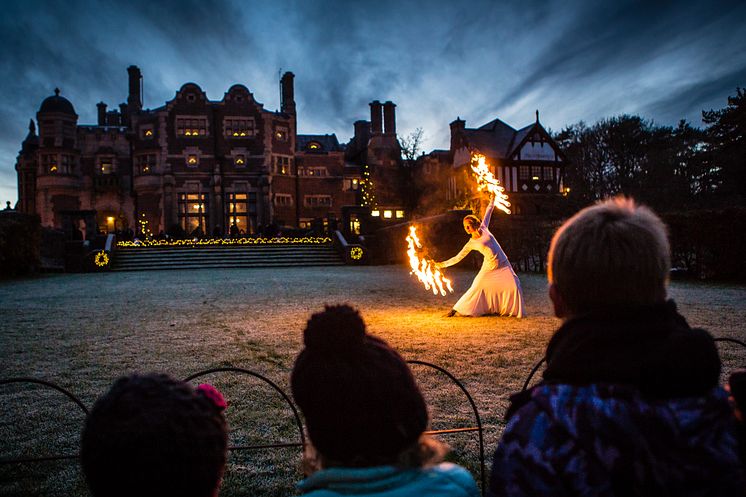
{"x": 487, "y": 181}
{"x": 424, "y": 269}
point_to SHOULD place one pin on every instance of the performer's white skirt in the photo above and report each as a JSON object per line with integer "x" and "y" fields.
{"x": 496, "y": 291}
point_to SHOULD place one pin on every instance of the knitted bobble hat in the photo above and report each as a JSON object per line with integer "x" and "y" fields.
{"x": 361, "y": 403}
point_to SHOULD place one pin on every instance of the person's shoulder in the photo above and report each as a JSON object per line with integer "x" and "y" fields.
{"x": 456, "y": 476}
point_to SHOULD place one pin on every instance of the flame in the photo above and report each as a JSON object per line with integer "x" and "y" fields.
{"x": 426, "y": 272}
{"x": 487, "y": 181}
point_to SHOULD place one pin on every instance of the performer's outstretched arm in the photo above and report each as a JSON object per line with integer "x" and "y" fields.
{"x": 456, "y": 258}
{"x": 488, "y": 212}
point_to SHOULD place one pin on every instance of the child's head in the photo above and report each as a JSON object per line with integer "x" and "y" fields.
{"x": 360, "y": 400}
{"x": 612, "y": 254}
{"x": 152, "y": 435}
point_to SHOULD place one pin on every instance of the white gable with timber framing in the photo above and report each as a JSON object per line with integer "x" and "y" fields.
{"x": 525, "y": 161}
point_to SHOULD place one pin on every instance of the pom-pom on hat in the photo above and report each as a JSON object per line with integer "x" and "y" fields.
{"x": 361, "y": 403}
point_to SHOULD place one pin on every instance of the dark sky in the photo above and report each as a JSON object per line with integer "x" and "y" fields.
{"x": 571, "y": 59}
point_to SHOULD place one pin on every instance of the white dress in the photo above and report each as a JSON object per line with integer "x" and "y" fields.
{"x": 496, "y": 288}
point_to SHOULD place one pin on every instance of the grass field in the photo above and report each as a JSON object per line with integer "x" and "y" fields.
{"x": 84, "y": 331}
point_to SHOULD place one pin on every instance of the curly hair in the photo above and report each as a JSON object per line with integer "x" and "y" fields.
{"x": 152, "y": 435}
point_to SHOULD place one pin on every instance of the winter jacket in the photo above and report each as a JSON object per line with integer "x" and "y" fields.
{"x": 443, "y": 480}
{"x": 629, "y": 406}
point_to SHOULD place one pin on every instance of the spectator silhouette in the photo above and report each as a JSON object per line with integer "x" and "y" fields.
{"x": 365, "y": 417}
{"x": 630, "y": 403}
{"x": 153, "y": 436}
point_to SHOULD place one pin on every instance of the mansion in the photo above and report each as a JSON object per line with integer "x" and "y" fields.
{"x": 201, "y": 166}
{"x": 196, "y": 166}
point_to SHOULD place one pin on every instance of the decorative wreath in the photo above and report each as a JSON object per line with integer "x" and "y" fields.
{"x": 356, "y": 253}
{"x": 101, "y": 259}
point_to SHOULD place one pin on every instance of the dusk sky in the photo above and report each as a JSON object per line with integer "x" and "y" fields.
{"x": 572, "y": 59}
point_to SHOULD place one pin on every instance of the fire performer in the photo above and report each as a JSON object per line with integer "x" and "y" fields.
{"x": 496, "y": 288}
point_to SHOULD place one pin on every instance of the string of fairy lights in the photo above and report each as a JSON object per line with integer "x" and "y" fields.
{"x": 282, "y": 240}
{"x": 367, "y": 189}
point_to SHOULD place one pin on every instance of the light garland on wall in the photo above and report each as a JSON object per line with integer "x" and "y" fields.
{"x": 101, "y": 259}
{"x": 356, "y": 253}
{"x": 307, "y": 240}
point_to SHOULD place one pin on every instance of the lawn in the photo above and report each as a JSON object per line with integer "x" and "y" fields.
{"x": 84, "y": 331}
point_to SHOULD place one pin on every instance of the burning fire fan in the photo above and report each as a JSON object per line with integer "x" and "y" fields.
{"x": 424, "y": 268}
{"x": 487, "y": 181}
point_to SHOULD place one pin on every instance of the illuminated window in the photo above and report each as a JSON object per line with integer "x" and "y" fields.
{"x": 193, "y": 213}
{"x": 351, "y": 184}
{"x": 238, "y": 127}
{"x": 387, "y": 214}
{"x": 283, "y": 200}
{"x": 399, "y": 214}
{"x": 317, "y": 200}
{"x": 191, "y": 126}
{"x": 375, "y": 213}
{"x": 313, "y": 171}
{"x": 145, "y": 164}
{"x": 239, "y": 160}
{"x": 314, "y": 146}
{"x": 49, "y": 163}
{"x": 192, "y": 160}
{"x": 106, "y": 165}
{"x": 146, "y": 132}
{"x": 536, "y": 173}
{"x": 281, "y": 133}
{"x": 281, "y": 165}
{"x": 241, "y": 211}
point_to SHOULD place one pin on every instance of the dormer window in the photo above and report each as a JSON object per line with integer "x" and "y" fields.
{"x": 191, "y": 97}
{"x": 191, "y": 126}
{"x": 314, "y": 147}
{"x": 281, "y": 133}
{"x": 145, "y": 164}
{"x": 238, "y": 127}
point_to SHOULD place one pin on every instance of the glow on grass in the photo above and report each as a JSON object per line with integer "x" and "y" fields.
{"x": 487, "y": 181}
{"x": 424, "y": 268}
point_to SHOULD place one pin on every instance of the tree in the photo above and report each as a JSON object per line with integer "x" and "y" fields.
{"x": 411, "y": 145}
{"x": 726, "y": 137}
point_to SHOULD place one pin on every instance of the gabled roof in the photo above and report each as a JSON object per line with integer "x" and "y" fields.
{"x": 329, "y": 143}
{"x": 492, "y": 139}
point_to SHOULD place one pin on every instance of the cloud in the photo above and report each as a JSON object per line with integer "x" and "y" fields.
{"x": 577, "y": 60}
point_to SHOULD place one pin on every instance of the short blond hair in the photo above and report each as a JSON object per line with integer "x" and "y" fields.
{"x": 612, "y": 254}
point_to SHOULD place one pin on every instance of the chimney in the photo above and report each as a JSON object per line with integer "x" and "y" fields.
{"x": 376, "y": 127}
{"x": 101, "y": 113}
{"x": 123, "y": 116}
{"x": 362, "y": 133}
{"x": 287, "y": 93}
{"x": 134, "y": 100}
{"x": 389, "y": 118}
{"x": 457, "y": 131}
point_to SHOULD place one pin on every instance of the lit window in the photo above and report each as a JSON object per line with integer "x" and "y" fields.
{"x": 535, "y": 178}
{"x": 192, "y": 160}
{"x": 315, "y": 146}
{"x": 49, "y": 163}
{"x": 375, "y": 213}
{"x": 238, "y": 127}
{"x": 146, "y": 132}
{"x": 105, "y": 165}
{"x": 399, "y": 214}
{"x": 281, "y": 133}
{"x": 387, "y": 214}
{"x": 191, "y": 126}
{"x": 240, "y": 160}
{"x": 144, "y": 164}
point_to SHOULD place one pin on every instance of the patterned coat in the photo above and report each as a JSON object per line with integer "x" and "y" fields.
{"x": 629, "y": 406}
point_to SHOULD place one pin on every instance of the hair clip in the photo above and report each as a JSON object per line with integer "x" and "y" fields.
{"x": 214, "y": 395}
